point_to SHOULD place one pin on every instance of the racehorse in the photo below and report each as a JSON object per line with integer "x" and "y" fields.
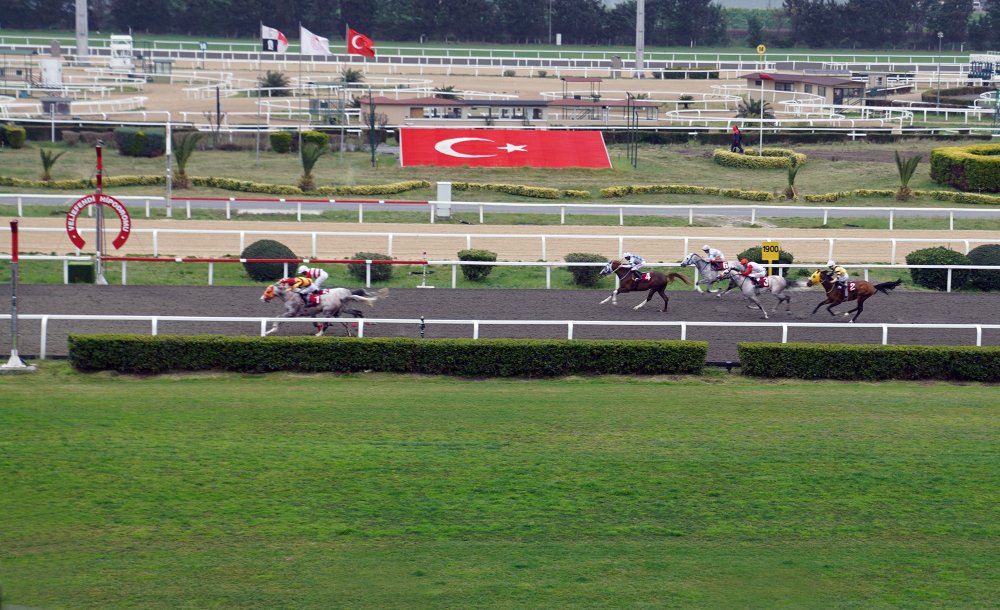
{"x": 653, "y": 281}
{"x": 708, "y": 274}
{"x": 775, "y": 284}
{"x": 857, "y": 289}
{"x": 331, "y": 303}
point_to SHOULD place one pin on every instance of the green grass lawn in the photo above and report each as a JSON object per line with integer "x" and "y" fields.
{"x": 376, "y": 491}
{"x": 668, "y": 164}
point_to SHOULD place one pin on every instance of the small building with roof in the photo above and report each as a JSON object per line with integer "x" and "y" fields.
{"x": 833, "y": 89}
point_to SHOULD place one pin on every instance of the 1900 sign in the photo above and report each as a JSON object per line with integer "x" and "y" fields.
{"x": 99, "y": 199}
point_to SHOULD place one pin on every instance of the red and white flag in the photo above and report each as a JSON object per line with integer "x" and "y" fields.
{"x": 502, "y": 148}
{"x": 359, "y": 44}
{"x": 272, "y": 41}
{"x": 313, "y": 44}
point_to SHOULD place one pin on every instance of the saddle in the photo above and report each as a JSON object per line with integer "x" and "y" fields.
{"x": 763, "y": 282}
{"x": 313, "y": 298}
{"x": 719, "y": 265}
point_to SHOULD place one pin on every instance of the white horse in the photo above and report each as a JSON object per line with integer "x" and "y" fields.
{"x": 331, "y": 303}
{"x": 775, "y": 284}
{"x": 708, "y": 274}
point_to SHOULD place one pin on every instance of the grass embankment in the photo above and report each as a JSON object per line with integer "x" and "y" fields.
{"x": 385, "y": 491}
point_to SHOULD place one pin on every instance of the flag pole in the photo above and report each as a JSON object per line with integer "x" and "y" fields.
{"x": 257, "y": 130}
{"x": 760, "y": 145}
{"x": 15, "y": 364}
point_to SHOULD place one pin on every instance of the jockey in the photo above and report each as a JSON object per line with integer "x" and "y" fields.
{"x": 840, "y": 276}
{"x": 299, "y": 285}
{"x": 634, "y": 262}
{"x": 317, "y": 275}
{"x": 714, "y": 256}
{"x": 755, "y": 271}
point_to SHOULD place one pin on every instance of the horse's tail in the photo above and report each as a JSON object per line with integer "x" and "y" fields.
{"x": 677, "y": 276}
{"x": 366, "y": 297}
{"x": 885, "y": 287}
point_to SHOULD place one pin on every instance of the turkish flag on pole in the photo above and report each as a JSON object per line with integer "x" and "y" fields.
{"x": 359, "y": 44}
{"x": 502, "y": 148}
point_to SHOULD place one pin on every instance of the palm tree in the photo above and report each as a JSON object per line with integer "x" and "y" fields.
{"x": 447, "y": 93}
{"x": 350, "y": 75}
{"x": 310, "y": 154}
{"x": 184, "y": 146}
{"x": 48, "y": 160}
{"x": 790, "y": 191}
{"x": 276, "y": 82}
{"x": 906, "y": 167}
{"x": 749, "y": 108}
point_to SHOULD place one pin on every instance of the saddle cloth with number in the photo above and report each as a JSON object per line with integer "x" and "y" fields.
{"x": 764, "y": 282}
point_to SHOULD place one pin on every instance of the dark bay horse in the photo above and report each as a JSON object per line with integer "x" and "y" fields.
{"x": 653, "y": 281}
{"x": 858, "y": 290}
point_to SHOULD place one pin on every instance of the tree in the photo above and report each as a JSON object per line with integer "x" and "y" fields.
{"x": 276, "y": 83}
{"x": 749, "y": 108}
{"x": 48, "y": 160}
{"x": 906, "y": 168}
{"x": 310, "y": 154}
{"x": 184, "y": 147}
{"x": 755, "y": 30}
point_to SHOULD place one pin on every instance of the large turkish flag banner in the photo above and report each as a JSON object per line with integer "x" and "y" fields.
{"x": 502, "y": 148}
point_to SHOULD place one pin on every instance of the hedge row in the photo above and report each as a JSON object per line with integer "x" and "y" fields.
{"x": 968, "y": 168}
{"x": 538, "y": 192}
{"x": 869, "y": 362}
{"x": 231, "y": 184}
{"x": 768, "y": 158}
{"x": 684, "y": 189}
{"x": 84, "y": 183}
{"x": 463, "y": 357}
{"x": 952, "y": 196}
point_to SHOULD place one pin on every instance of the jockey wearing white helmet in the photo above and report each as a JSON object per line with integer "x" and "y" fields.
{"x": 715, "y": 256}
{"x": 840, "y": 276}
{"x": 634, "y": 262}
{"x": 317, "y": 275}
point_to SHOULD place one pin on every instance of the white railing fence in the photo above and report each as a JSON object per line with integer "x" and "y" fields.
{"x": 781, "y": 269}
{"x": 975, "y": 337}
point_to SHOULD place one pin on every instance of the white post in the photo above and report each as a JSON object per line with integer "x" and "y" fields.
{"x": 170, "y": 170}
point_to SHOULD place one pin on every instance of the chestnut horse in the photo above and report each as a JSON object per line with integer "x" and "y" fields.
{"x": 653, "y": 281}
{"x": 859, "y": 290}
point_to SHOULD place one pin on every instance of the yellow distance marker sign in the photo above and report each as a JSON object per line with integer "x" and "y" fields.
{"x": 761, "y": 49}
{"x": 769, "y": 253}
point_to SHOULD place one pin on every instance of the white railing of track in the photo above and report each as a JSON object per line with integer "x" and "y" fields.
{"x": 786, "y": 327}
{"x": 302, "y": 207}
{"x": 865, "y": 268}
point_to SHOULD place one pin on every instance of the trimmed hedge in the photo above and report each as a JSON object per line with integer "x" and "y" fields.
{"x": 986, "y": 255}
{"x": 754, "y": 253}
{"x": 266, "y": 248}
{"x": 869, "y": 362}
{"x": 769, "y": 158}
{"x": 316, "y": 137}
{"x": 13, "y": 135}
{"x": 937, "y": 279}
{"x": 684, "y": 189}
{"x": 281, "y": 141}
{"x": 462, "y": 357}
{"x": 137, "y": 142}
{"x": 967, "y": 168}
{"x": 380, "y": 273}
{"x": 585, "y": 276}
{"x": 476, "y": 272}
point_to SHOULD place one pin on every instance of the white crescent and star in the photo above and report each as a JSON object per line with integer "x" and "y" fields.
{"x": 355, "y": 43}
{"x": 447, "y": 147}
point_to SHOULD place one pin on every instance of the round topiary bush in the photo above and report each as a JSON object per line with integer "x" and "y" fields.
{"x": 753, "y": 254}
{"x": 987, "y": 255}
{"x": 476, "y": 272}
{"x": 937, "y": 279}
{"x": 769, "y": 158}
{"x": 281, "y": 141}
{"x": 585, "y": 276}
{"x": 967, "y": 168}
{"x": 316, "y": 137}
{"x": 266, "y": 248}
{"x": 380, "y": 273}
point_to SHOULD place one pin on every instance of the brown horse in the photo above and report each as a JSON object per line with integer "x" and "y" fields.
{"x": 858, "y": 290}
{"x": 653, "y": 281}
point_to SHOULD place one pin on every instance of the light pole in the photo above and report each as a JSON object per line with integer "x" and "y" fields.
{"x": 940, "y": 37}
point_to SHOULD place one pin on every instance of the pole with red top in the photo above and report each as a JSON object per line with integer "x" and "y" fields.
{"x": 98, "y": 258}
{"x": 15, "y": 363}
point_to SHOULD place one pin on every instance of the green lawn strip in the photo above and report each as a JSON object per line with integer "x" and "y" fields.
{"x": 377, "y": 490}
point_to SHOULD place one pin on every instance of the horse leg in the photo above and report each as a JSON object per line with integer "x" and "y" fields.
{"x": 756, "y": 302}
{"x": 859, "y": 309}
{"x": 821, "y": 303}
{"x": 648, "y": 298}
{"x": 613, "y": 298}
{"x": 666, "y": 299}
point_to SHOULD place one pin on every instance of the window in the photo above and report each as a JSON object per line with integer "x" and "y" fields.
{"x": 821, "y": 91}
{"x": 784, "y": 87}
{"x": 808, "y": 88}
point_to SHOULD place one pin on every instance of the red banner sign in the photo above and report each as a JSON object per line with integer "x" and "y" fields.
{"x": 503, "y": 148}
{"x": 100, "y": 199}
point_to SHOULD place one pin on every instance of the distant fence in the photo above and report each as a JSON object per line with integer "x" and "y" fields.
{"x": 975, "y": 337}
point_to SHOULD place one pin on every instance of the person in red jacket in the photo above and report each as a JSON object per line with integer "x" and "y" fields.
{"x": 753, "y": 270}
{"x": 737, "y": 140}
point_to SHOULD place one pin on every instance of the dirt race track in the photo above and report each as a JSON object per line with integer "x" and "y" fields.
{"x": 901, "y": 307}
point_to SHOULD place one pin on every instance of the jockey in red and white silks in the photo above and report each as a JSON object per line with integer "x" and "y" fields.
{"x": 754, "y": 271}
{"x": 316, "y": 276}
